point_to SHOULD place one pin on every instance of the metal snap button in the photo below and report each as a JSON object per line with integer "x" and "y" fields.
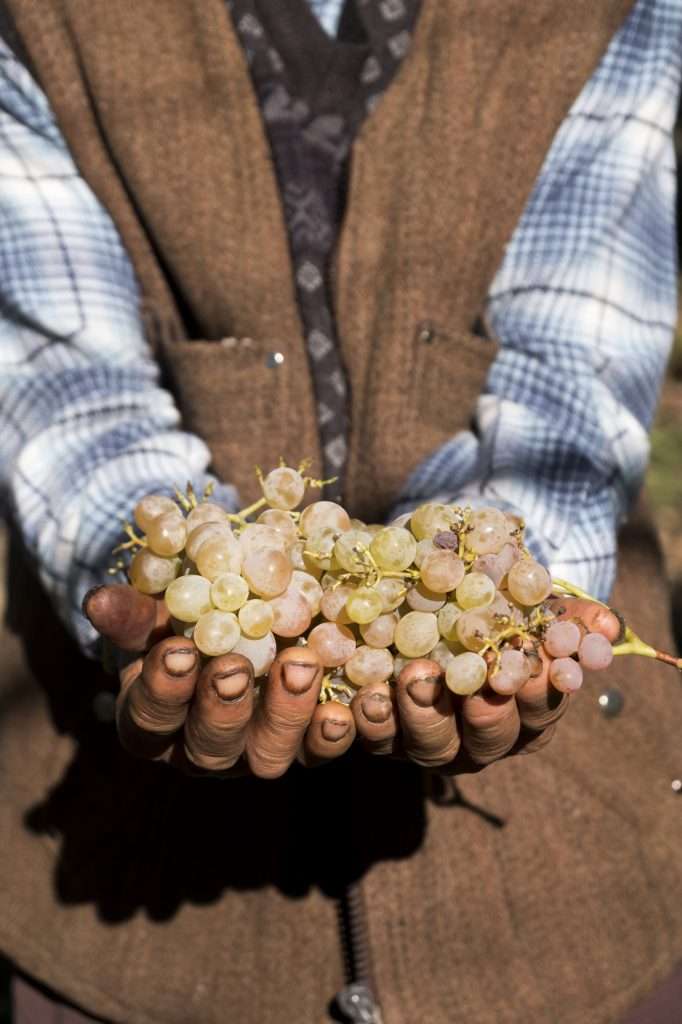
{"x": 274, "y": 359}
{"x": 425, "y": 332}
{"x": 611, "y": 702}
{"x": 676, "y": 785}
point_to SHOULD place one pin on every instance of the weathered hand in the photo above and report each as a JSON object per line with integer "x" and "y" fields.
{"x": 427, "y": 723}
{"x": 206, "y": 718}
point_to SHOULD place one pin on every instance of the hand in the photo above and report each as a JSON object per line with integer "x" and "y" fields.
{"x": 435, "y": 728}
{"x": 205, "y": 719}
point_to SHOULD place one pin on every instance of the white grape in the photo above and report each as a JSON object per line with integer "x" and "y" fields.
{"x": 529, "y": 582}
{"x": 320, "y": 547}
{"x": 381, "y": 631}
{"x": 428, "y": 520}
{"x": 447, "y": 620}
{"x": 189, "y": 597}
{"x": 151, "y": 507}
{"x": 393, "y": 548}
{"x": 466, "y": 673}
{"x": 442, "y": 571}
{"x": 206, "y": 512}
{"x": 333, "y": 603}
{"x": 218, "y": 555}
{"x": 167, "y": 534}
{"x": 282, "y": 523}
{"x": 207, "y": 531}
{"x": 267, "y": 571}
{"x": 392, "y": 593}
{"x": 309, "y": 587}
{"x": 323, "y": 514}
{"x": 284, "y": 488}
{"x": 256, "y": 618}
{"x": 216, "y": 632}
{"x": 424, "y": 548}
{"x": 291, "y": 613}
{"x": 229, "y": 592}
{"x": 333, "y": 643}
{"x": 259, "y": 536}
{"x": 416, "y": 634}
{"x": 150, "y": 573}
{"x": 368, "y": 665}
{"x": 260, "y": 651}
{"x": 350, "y": 550}
{"x": 420, "y": 599}
{"x": 364, "y": 605}
{"x": 472, "y": 629}
{"x": 475, "y": 591}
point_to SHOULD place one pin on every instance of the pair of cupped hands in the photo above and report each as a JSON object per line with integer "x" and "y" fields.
{"x": 205, "y": 718}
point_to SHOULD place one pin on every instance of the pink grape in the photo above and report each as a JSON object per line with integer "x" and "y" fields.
{"x": 513, "y": 672}
{"x": 566, "y": 675}
{"x": 562, "y": 639}
{"x": 595, "y": 652}
{"x": 491, "y": 566}
{"x": 333, "y": 644}
{"x": 292, "y": 613}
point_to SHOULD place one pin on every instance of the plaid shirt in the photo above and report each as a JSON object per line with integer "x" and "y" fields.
{"x": 584, "y": 307}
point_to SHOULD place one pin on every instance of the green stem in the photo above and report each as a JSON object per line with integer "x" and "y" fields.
{"x": 631, "y": 644}
{"x": 243, "y": 515}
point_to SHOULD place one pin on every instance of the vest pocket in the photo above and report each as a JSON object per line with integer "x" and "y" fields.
{"x": 450, "y": 369}
{"x": 231, "y": 393}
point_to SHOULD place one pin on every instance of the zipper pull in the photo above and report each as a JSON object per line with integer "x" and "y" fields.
{"x": 357, "y": 1003}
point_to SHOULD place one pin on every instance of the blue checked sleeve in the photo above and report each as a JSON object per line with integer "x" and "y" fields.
{"x": 584, "y": 307}
{"x": 85, "y": 428}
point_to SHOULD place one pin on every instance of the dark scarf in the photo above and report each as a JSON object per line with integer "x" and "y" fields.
{"x": 314, "y": 93}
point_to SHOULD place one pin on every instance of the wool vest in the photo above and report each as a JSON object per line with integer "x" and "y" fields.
{"x": 149, "y": 898}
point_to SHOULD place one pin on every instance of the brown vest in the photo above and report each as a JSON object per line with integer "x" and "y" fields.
{"x": 149, "y": 898}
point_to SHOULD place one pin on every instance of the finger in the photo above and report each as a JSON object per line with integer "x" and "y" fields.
{"x": 539, "y": 703}
{"x": 593, "y": 616}
{"x": 155, "y": 696}
{"x": 131, "y": 620}
{"x": 284, "y": 712}
{"x": 529, "y": 741}
{"x": 376, "y": 718}
{"x": 427, "y": 716}
{"x": 490, "y": 725}
{"x": 331, "y": 732}
{"x": 215, "y": 730}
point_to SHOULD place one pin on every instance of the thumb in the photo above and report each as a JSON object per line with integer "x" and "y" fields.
{"x": 131, "y": 620}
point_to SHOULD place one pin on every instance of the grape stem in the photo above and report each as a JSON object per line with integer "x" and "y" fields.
{"x": 134, "y": 542}
{"x": 331, "y": 690}
{"x": 631, "y": 643}
{"x": 242, "y": 516}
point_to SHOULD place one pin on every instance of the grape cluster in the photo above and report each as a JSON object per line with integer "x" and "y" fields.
{"x": 452, "y": 584}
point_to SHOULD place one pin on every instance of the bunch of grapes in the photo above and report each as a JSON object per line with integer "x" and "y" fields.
{"x": 452, "y": 584}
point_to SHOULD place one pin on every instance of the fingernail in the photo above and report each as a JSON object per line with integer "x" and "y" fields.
{"x": 90, "y": 593}
{"x": 298, "y": 676}
{"x": 180, "y": 661}
{"x": 231, "y": 686}
{"x": 334, "y": 730}
{"x": 425, "y": 692}
{"x": 376, "y": 707}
